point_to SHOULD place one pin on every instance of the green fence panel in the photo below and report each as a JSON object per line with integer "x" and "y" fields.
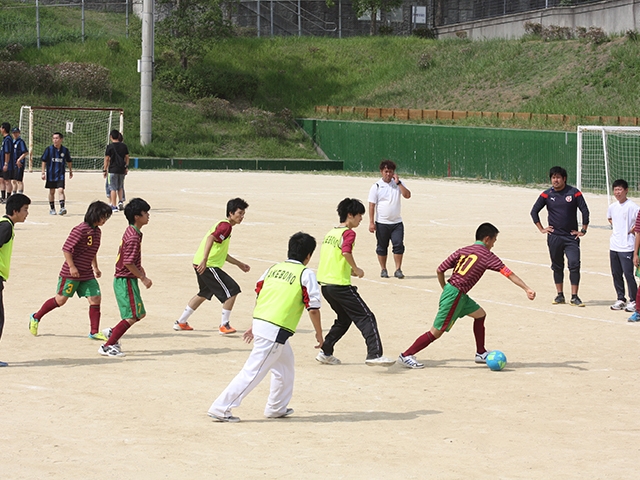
{"x": 523, "y": 156}
{"x": 236, "y": 164}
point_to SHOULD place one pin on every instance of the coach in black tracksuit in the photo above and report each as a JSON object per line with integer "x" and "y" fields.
{"x": 563, "y": 237}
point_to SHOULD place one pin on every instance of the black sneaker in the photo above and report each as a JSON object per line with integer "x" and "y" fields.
{"x": 575, "y": 301}
{"x": 559, "y": 299}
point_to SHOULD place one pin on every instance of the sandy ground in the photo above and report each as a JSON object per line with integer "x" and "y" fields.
{"x": 565, "y": 407}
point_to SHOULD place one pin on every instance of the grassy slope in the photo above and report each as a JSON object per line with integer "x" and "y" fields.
{"x": 298, "y": 73}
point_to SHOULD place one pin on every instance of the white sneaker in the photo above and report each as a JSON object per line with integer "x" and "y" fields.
{"x": 482, "y": 357}
{"x": 379, "y": 362}
{"x": 110, "y": 351}
{"x": 409, "y": 361}
{"x": 288, "y": 412}
{"x": 228, "y": 418}
{"x": 619, "y": 305}
{"x": 631, "y": 307}
{"x": 327, "y": 359}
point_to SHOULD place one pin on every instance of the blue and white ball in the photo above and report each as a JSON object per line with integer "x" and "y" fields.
{"x": 496, "y": 360}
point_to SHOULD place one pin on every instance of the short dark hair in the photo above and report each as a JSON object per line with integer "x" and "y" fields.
{"x": 15, "y": 203}
{"x": 348, "y": 206}
{"x": 621, "y": 183}
{"x": 486, "y": 230}
{"x": 235, "y": 204}
{"x": 58, "y": 133}
{"x": 115, "y": 134}
{"x": 97, "y": 211}
{"x": 6, "y": 126}
{"x": 386, "y": 163}
{"x": 135, "y": 207}
{"x": 301, "y": 245}
{"x": 558, "y": 171}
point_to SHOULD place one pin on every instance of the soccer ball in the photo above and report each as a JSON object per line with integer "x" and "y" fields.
{"x": 496, "y": 360}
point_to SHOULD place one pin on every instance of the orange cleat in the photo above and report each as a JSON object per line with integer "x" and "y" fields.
{"x": 227, "y": 329}
{"x": 181, "y": 326}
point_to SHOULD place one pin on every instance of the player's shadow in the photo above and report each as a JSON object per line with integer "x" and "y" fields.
{"x": 458, "y": 363}
{"x": 419, "y": 277}
{"x": 351, "y": 417}
{"x": 130, "y": 356}
{"x": 607, "y": 303}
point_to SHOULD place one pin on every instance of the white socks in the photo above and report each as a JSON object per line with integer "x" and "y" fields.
{"x": 226, "y": 315}
{"x": 186, "y": 314}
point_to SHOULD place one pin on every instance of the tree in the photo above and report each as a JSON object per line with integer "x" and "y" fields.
{"x": 371, "y": 7}
{"x": 190, "y": 24}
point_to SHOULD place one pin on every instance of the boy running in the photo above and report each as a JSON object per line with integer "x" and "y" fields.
{"x": 207, "y": 263}
{"x": 284, "y": 290}
{"x": 128, "y": 271}
{"x": 80, "y": 269}
{"x": 468, "y": 264}
{"x": 336, "y": 267}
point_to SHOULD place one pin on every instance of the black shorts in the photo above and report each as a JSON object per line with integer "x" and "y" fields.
{"x": 56, "y": 184}
{"x": 19, "y": 174}
{"x": 214, "y": 281}
{"x": 8, "y": 175}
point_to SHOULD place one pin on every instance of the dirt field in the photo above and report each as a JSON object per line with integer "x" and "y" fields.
{"x": 566, "y": 406}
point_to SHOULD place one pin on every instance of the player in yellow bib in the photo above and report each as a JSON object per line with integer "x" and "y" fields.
{"x": 335, "y": 270}
{"x": 284, "y": 291}
{"x": 208, "y": 261}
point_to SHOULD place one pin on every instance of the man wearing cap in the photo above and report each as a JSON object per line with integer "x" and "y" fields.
{"x": 5, "y": 162}
{"x": 19, "y": 158}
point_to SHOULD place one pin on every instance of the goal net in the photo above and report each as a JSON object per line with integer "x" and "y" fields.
{"x": 85, "y": 130}
{"x": 606, "y": 154}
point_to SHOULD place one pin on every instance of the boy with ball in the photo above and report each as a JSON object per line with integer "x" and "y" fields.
{"x": 468, "y": 264}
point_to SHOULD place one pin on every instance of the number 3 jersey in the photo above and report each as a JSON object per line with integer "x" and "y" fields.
{"x": 469, "y": 264}
{"x": 83, "y": 243}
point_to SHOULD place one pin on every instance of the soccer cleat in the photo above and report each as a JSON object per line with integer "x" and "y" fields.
{"x": 226, "y": 329}
{"x": 631, "y": 307}
{"x": 114, "y": 209}
{"x": 110, "y": 351}
{"x": 409, "y": 361}
{"x": 384, "y": 273}
{"x": 620, "y": 304}
{"x": 559, "y": 299}
{"x": 63, "y": 211}
{"x": 228, "y": 418}
{"x": 379, "y": 362}
{"x": 634, "y": 318}
{"x": 182, "y": 326}
{"x": 52, "y": 212}
{"x": 398, "y": 274}
{"x": 481, "y": 357}
{"x": 3, "y": 364}
{"x": 327, "y": 359}
{"x": 288, "y": 412}
{"x": 120, "y": 206}
{"x": 98, "y": 336}
{"x": 33, "y": 325}
{"x": 575, "y": 301}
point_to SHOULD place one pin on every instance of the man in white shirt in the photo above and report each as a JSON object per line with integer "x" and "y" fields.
{"x": 622, "y": 216}
{"x": 384, "y": 216}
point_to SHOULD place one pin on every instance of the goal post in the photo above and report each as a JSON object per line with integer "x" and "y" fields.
{"x": 606, "y": 154}
{"x": 85, "y": 130}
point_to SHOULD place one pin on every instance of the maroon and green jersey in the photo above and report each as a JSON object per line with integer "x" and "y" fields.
{"x": 129, "y": 253}
{"x": 469, "y": 264}
{"x": 83, "y": 243}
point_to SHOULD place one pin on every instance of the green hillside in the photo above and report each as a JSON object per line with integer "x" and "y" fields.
{"x": 294, "y": 74}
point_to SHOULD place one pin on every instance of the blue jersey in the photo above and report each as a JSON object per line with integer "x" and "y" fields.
{"x": 7, "y": 147}
{"x": 562, "y": 207}
{"x": 56, "y": 160}
{"x": 19, "y": 148}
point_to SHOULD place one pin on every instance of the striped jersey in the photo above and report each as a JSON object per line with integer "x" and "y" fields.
{"x": 129, "y": 252}
{"x": 56, "y": 160}
{"x": 82, "y": 243}
{"x": 469, "y": 264}
{"x": 19, "y": 147}
{"x": 7, "y": 148}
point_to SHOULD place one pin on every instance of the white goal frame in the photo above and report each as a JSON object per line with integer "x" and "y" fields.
{"x": 92, "y": 124}
{"x": 607, "y": 160}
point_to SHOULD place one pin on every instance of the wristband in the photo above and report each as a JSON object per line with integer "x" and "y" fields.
{"x": 399, "y": 183}
{"x": 583, "y": 231}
